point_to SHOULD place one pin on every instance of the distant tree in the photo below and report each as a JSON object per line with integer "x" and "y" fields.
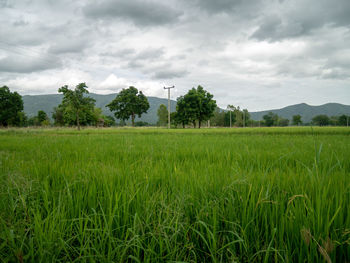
{"x": 199, "y": 105}
{"x": 283, "y": 122}
{"x": 320, "y": 120}
{"x": 219, "y": 118}
{"x": 141, "y": 123}
{"x": 11, "y": 106}
{"x": 297, "y": 120}
{"x": 238, "y": 116}
{"x": 246, "y": 117}
{"x": 270, "y": 119}
{"x": 162, "y": 113}
{"x": 42, "y": 118}
{"x": 129, "y": 103}
{"x": 253, "y": 123}
{"x": 23, "y": 119}
{"x": 333, "y": 120}
{"x": 343, "y": 120}
{"x": 75, "y": 101}
{"x": 108, "y": 121}
{"x": 33, "y": 121}
{"x": 97, "y": 117}
{"x": 231, "y": 116}
{"x": 58, "y": 115}
{"x": 122, "y": 123}
{"x": 227, "y": 119}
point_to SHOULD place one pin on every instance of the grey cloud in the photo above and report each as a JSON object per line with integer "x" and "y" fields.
{"x": 340, "y": 59}
{"x": 20, "y": 23}
{"x": 144, "y": 57}
{"x": 302, "y": 18}
{"x": 170, "y": 74}
{"x": 135, "y": 64}
{"x": 28, "y": 64}
{"x": 273, "y": 28}
{"x": 21, "y": 34}
{"x": 336, "y": 74}
{"x": 150, "y": 54}
{"x": 141, "y": 13}
{"x": 218, "y": 6}
{"x": 5, "y": 4}
{"x": 300, "y": 67}
{"x": 68, "y": 45}
{"x": 125, "y": 52}
{"x": 227, "y": 6}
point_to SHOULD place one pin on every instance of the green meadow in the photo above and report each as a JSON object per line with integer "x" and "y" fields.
{"x": 180, "y": 195}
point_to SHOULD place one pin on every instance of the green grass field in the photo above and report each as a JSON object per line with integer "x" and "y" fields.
{"x": 154, "y": 195}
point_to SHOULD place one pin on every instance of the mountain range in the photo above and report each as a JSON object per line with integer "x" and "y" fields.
{"x": 306, "y": 111}
{"x": 34, "y": 103}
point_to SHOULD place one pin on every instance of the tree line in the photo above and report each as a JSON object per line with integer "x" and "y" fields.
{"x": 193, "y": 109}
{"x": 241, "y": 118}
{"x": 78, "y": 109}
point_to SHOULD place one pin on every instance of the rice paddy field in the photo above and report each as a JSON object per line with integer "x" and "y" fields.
{"x": 181, "y": 195}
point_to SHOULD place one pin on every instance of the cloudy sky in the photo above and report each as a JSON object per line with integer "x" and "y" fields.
{"x": 258, "y": 54}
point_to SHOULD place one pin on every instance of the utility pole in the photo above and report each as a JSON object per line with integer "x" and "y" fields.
{"x": 230, "y": 108}
{"x": 168, "y": 88}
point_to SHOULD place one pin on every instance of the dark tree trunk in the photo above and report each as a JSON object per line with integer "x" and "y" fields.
{"x": 183, "y": 124}
{"x": 133, "y": 120}
{"x": 199, "y": 124}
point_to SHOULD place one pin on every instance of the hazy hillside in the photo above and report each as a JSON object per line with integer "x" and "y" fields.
{"x": 34, "y": 103}
{"x": 306, "y": 111}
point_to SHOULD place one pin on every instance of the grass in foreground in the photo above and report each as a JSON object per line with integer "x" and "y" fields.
{"x": 153, "y": 195}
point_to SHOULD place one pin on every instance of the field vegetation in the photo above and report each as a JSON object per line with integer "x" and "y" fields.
{"x": 157, "y": 195}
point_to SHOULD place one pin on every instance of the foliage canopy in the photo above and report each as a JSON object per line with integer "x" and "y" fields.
{"x": 11, "y": 107}
{"x": 75, "y": 103}
{"x": 196, "y": 105}
{"x": 129, "y": 103}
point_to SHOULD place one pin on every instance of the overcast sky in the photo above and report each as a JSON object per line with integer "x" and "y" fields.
{"x": 256, "y": 54}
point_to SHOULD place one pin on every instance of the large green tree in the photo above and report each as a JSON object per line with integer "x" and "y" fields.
{"x": 75, "y": 102}
{"x": 129, "y": 103}
{"x": 197, "y": 105}
{"x": 183, "y": 113}
{"x": 11, "y": 107}
{"x": 162, "y": 113}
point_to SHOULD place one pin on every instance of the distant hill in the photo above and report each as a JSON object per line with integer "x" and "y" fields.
{"x": 34, "y": 103}
{"x": 306, "y": 111}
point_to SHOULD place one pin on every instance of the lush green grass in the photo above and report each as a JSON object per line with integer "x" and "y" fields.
{"x": 153, "y": 195}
